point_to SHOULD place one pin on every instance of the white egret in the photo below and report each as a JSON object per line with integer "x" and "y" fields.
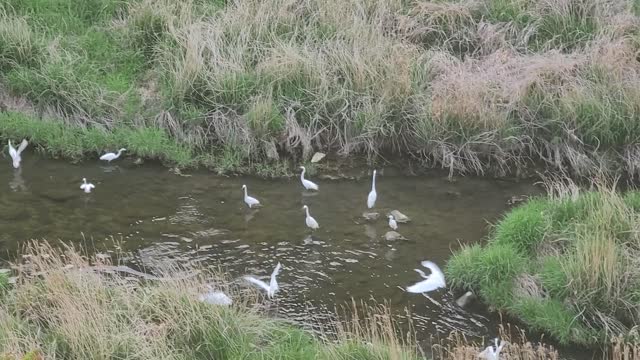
{"x": 373, "y": 195}
{"x": 432, "y": 282}
{"x": 273, "y": 284}
{"x": 250, "y": 201}
{"x": 310, "y": 221}
{"x": 15, "y": 154}
{"x": 111, "y": 156}
{"x": 309, "y": 185}
{"x": 87, "y": 187}
{"x": 490, "y": 353}
{"x": 214, "y": 297}
{"x": 393, "y": 223}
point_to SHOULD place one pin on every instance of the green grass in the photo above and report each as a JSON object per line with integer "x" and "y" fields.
{"x": 562, "y": 266}
{"x": 80, "y": 315}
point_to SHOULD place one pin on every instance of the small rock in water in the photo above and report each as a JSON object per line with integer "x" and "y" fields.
{"x": 370, "y": 215}
{"x": 400, "y": 217}
{"x": 465, "y": 299}
{"x": 138, "y": 161}
{"x": 317, "y": 157}
{"x": 393, "y": 236}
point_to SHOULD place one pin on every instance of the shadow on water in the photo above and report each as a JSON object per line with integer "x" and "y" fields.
{"x": 163, "y": 218}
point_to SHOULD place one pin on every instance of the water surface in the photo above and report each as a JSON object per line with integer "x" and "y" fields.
{"x": 162, "y": 218}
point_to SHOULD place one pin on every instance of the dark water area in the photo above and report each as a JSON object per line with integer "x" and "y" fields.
{"x": 161, "y": 219}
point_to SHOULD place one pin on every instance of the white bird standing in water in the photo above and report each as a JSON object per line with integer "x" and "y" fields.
{"x": 250, "y": 201}
{"x": 373, "y": 195}
{"x": 393, "y": 223}
{"x": 309, "y": 185}
{"x": 111, "y": 156}
{"x": 434, "y": 281}
{"x": 310, "y": 221}
{"x": 15, "y": 154}
{"x": 273, "y": 284}
{"x": 490, "y": 353}
{"x": 87, "y": 187}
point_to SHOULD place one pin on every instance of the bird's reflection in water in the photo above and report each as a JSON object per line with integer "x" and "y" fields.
{"x": 371, "y": 232}
{"x": 249, "y": 215}
{"x": 17, "y": 184}
{"x": 111, "y": 168}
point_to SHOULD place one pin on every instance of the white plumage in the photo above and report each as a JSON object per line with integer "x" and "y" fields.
{"x": 434, "y": 281}
{"x": 87, "y": 187}
{"x": 216, "y": 298}
{"x": 310, "y": 221}
{"x": 111, "y": 156}
{"x": 309, "y": 185}
{"x": 250, "y": 201}
{"x": 15, "y": 154}
{"x": 373, "y": 195}
{"x": 273, "y": 284}
{"x": 490, "y": 353}
{"x": 393, "y": 223}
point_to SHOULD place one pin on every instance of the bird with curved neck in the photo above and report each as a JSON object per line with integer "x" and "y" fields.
{"x": 87, "y": 187}
{"x": 250, "y": 201}
{"x": 373, "y": 195}
{"x": 310, "y": 221}
{"x": 15, "y": 154}
{"x": 272, "y": 288}
{"x": 111, "y": 156}
{"x": 309, "y": 185}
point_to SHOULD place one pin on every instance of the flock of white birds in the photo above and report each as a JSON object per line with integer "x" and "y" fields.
{"x": 431, "y": 282}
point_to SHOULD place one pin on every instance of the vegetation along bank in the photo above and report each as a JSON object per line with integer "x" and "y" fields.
{"x": 564, "y": 265}
{"x": 472, "y": 86}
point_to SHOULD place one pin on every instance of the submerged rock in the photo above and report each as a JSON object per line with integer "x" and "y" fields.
{"x": 370, "y": 215}
{"x": 400, "y": 217}
{"x": 393, "y": 236}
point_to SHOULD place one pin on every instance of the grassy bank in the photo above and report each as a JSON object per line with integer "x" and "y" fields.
{"x": 473, "y": 86}
{"x": 564, "y": 265}
{"x": 61, "y": 307}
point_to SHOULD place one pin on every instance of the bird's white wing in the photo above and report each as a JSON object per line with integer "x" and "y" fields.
{"x": 257, "y": 282}
{"x": 310, "y": 184}
{"x": 23, "y": 145}
{"x": 425, "y": 286}
{"x": 371, "y": 199}
{"x": 433, "y": 267}
{"x": 12, "y": 150}
{"x": 276, "y": 270}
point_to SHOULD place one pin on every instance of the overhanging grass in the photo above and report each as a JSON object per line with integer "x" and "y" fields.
{"x": 76, "y": 314}
{"x": 570, "y": 270}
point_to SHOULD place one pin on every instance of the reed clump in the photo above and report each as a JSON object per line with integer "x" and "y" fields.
{"x": 565, "y": 265}
{"x": 471, "y": 86}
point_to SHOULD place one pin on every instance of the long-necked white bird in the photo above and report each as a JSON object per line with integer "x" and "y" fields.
{"x": 250, "y": 201}
{"x": 111, "y": 156}
{"x": 434, "y": 281}
{"x": 273, "y": 284}
{"x": 373, "y": 195}
{"x": 393, "y": 223}
{"x": 15, "y": 154}
{"x": 308, "y": 184}
{"x": 86, "y": 186}
{"x": 310, "y": 221}
{"x": 490, "y": 353}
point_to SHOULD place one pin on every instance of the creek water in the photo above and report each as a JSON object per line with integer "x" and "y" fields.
{"x": 165, "y": 219}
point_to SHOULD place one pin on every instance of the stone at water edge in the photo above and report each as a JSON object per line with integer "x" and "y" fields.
{"x": 465, "y": 299}
{"x": 370, "y": 215}
{"x": 400, "y": 217}
{"x": 317, "y": 157}
{"x": 393, "y": 236}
